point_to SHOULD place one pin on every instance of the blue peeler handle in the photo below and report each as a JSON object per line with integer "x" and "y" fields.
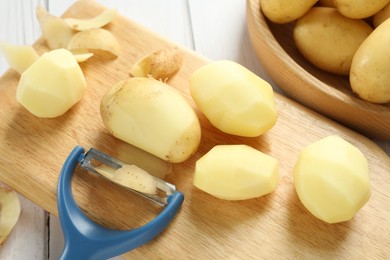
{"x": 85, "y": 239}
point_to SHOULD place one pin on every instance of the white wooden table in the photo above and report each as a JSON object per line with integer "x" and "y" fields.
{"x": 215, "y": 29}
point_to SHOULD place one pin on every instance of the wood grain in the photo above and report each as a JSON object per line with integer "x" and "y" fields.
{"x": 33, "y": 150}
{"x": 321, "y": 91}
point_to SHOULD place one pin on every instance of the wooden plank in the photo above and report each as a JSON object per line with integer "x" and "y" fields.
{"x": 205, "y": 227}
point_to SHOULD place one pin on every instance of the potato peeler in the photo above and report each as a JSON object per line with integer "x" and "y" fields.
{"x": 85, "y": 239}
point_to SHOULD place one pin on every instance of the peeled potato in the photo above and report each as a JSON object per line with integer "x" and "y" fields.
{"x": 9, "y": 212}
{"x": 234, "y": 99}
{"x": 161, "y": 64}
{"x": 54, "y": 29}
{"x": 332, "y": 180}
{"x": 52, "y": 84}
{"x": 236, "y": 172}
{"x": 152, "y": 116}
{"x": 19, "y": 57}
{"x": 98, "y": 41}
{"x": 92, "y": 23}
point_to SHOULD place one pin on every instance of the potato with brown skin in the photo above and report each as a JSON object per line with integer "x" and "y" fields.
{"x": 152, "y": 116}
{"x": 328, "y": 39}
{"x": 358, "y": 9}
{"x": 285, "y": 11}
{"x": 370, "y": 77}
{"x": 161, "y": 64}
{"x": 381, "y": 16}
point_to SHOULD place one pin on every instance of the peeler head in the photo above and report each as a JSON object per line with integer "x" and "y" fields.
{"x": 128, "y": 176}
{"x": 85, "y": 239}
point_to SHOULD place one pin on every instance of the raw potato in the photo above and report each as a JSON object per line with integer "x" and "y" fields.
{"x": 328, "y": 39}
{"x": 285, "y": 11}
{"x": 381, "y": 16}
{"x": 9, "y": 212}
{"x": 236, "y": 172}
{"x": 98, "y": 41}
{"x": 98, "y": 21}
{"x": 131, "y": 177}
{"x": 234, "y": 99}
{"x": 370, "y": 77}
{"x": 331, "y": 179}
{"x": 51, "y": 85}
{"x": 358, "y": 9}
{"x": 160, "y": 64}
{"x": 54, "y": 29}
{"x": 19, "y": 57}
{"x": 152, "y": 116}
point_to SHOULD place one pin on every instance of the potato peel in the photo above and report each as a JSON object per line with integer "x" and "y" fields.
{"x": 19, "y": 57}
{"x": 98, "y": 41}
{"x": 98, "y": 21}
{"x": 55, "y": 31}
{"x": 130, "y": 176}
{"x": 9, "y": 212}
{"x": 160, "y": 65}
{"x": 81, "y": 55}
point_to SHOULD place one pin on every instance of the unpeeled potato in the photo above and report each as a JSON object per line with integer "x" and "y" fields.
{"x": 328, "y": 39}
{"x": 370, "y": 76}
{"x": 358, "y": 9}
{"x": 285, "y": 11}
{"x": 152, "y": 116}
{"x": 381, "y": 16}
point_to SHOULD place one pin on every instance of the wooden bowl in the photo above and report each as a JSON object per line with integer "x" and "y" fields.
{"x": 321, "y": 91}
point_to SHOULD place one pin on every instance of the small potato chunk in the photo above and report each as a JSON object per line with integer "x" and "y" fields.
{"x": 358, "y": 9}
{"x": 52, "y": 84}
{"x": 331, "y": 179}
{"x": 98, "y": 41}
{"x": 328, "y": 39}
{"x": 236, "y": 172}
{"x": 161, "y": 64}
{"x": 369, "y": 76}
{"x": 54, "y": 29}
{"x": 235, "y": 100}
{"x": 19, "y": 57}
{"x": 285, "y": 11}
{"x": 152, "y": 116}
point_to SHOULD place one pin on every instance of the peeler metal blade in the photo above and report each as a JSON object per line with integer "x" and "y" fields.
{"x": 94, "y": 159}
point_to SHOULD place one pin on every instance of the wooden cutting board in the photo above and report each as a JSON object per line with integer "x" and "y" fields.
{"x": 32, "y": 151}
